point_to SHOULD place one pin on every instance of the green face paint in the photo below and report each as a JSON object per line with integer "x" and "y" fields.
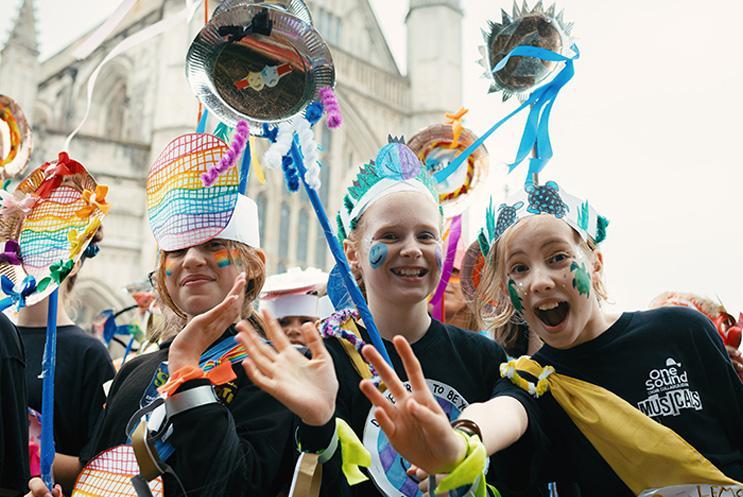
{"x": 513, "y": 292}
{"x": 582, "y": 279}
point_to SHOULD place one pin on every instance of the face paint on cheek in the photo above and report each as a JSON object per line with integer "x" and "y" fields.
{"x": 438, "y": 256}
{"x": 169, "y": 267}
{"x": 581, "y": 278}
{"x": 222, "y": 257}
{"x": 377, "y": 255}
{"x": 514, "y": 294}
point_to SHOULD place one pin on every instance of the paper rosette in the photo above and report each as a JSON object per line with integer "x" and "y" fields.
{"x": 182, "y": 212}
{"x": 432, "y": 145}
{"x": 15, "y": 147}
{"x": 53, "y": 216}
{"x": 262, "y": 78}
{"x": 538, "y": 27}
{"x": 297, "y": 8}
{"x": 110, "y": 473}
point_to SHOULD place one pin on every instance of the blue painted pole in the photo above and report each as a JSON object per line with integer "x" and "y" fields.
{"x": 339, "y": 255}
{"x": 47, "y": 393}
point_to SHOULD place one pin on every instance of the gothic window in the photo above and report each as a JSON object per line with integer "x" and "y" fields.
{"x": 302, "y": 227}
{"x": 262, "y": 204}
{"x": 115, "y": 112}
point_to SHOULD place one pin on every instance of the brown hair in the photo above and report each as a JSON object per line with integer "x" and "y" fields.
{"x": 174, "y": 319}
{"x": 354, "y": 238}
{"x": 493, "y": 306}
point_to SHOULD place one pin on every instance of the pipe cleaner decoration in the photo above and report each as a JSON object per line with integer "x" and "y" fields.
{"x": 239, "y": 140}
{"x": 333, "y": 109}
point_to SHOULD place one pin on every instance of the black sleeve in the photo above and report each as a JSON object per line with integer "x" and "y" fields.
{"x": 519, "y": 469}
{"x": 98, "y": 369}
{"x": 317, "y": 438}
{"x": 722, "y": 379}
{"x": 245, "y": 450}
{"x": 14, "y": 473}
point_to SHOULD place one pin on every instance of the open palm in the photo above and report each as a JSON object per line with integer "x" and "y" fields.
{"x": 307, "y": 387}
{"x": 415, "y": 424}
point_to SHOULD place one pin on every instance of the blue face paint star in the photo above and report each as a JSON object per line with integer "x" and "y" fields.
{"x": 377, "y": 255}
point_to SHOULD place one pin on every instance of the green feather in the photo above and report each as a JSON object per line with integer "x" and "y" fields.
{"x": 601, "y": 224}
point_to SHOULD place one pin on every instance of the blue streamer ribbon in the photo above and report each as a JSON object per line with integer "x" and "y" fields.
{"x": 202, "y": 122}
{"x": 48, "y": 367}
{"x": 245, "y": 169}
{"x": 536, "y": 131}
{"x": 13, "y": 296}
{"x": 338, "y": 254}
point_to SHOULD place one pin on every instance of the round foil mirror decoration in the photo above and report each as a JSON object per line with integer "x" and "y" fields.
{"x": 15, "y": 138}
{"x": 433, "y": 146}
{"x": 537, "y": 27}
{"x": 297, "y": 8}
{"x": 258, "y": 63}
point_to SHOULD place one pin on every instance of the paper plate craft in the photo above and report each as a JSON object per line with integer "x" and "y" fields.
{"x": 296, "y": 8}
{"x": 182, "y": 211}
{"x": 47, "y": 224}
{"x": 433, "y": 146}
{"x": 548, "y": 198}
{"x": 537, "y": 27}
{"x": 110, "y": 474}
{"x": 15, "y": 138}
{"x": 258, "y": 62}
{"x": 296, "y": 292}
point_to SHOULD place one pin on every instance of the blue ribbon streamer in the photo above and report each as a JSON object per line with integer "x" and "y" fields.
{"x": 338, "y": 254}
{"x": 202, "y": 122}
{"x": 49, "y": 363}
{"x": 245, "y": 169}
{"x": 536, "y": 131}
{"x": 27, "y": 288}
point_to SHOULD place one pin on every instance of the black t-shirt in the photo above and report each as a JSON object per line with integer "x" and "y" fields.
{"x": 13, "y": 419}
{"x": 670, "y": 364}
{"x": 243, "y": 449}
{"x": 83, "y": 366}
{"x": 461, "y": 367}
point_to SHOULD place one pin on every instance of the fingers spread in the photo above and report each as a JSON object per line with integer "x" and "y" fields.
{"x": 411, "y": 364}
{"x": 388, "y": 375}
{"x": 274, "y": 331}
{"x": 313, "y": 341}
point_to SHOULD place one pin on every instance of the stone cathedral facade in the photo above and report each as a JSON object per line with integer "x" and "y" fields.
{"x": 142, "y": 99}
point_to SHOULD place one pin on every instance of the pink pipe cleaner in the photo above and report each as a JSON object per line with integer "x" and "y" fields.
{"x": 332, "y": 108}
{"x": 240, "y": 138}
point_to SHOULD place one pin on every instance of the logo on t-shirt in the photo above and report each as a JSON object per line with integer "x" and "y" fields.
{"x": 388, "y": 469}
{"x": 669, "y": 392}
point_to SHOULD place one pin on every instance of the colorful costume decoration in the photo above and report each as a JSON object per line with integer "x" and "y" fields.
{"x": 15, "y": 154}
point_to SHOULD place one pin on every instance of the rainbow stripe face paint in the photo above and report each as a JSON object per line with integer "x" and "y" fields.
{"x": 377, "y": 255}
{"x": 223, "y": 257}
{"x": 169, "y": 266}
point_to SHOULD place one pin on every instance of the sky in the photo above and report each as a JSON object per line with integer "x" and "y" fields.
{"x": 646, "y": 130}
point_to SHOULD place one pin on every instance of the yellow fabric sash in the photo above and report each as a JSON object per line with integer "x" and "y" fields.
{"x": 641, "y": 451}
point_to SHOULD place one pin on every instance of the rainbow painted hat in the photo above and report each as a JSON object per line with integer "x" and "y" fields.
{"x": 182, "y": 211}
{"x": 47, "y": 224}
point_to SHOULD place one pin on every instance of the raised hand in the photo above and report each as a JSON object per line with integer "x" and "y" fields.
{"x": 415, "y": 424}
{"x": 205, "y": 328}
{"x": 307, "y": 387}
{"x": 37, "y": 488}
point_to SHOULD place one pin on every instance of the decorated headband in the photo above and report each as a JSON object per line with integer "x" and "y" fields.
{"x": 48, "y": 223}
{"x": 533, "y": 200}
{"x": 294, "y": 293}
{"x": 183, "y": 211}
{"x": 15, "y": 149}
{"x": 396, "y": 169}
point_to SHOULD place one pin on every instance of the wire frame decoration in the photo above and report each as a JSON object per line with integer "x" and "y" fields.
{"x": 15, "y": 138}
{"x": 182, "y": 212}
{"x": 109, "y": 474}
{"x": 256, "y": 62}
{"x": 433, "y": 146}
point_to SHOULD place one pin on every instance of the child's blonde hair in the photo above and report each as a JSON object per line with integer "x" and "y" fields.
{"x": 493, "y": 305}
{"x": 174, "y": 319}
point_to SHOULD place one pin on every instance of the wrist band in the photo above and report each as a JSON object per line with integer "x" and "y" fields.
{"x": 189, "y": 399}
{"x": 467, "y": 426}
